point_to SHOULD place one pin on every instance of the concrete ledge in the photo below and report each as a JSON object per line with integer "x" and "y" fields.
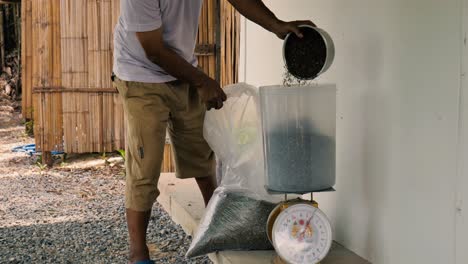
{"x": 183, "y": 201}
{"x": 244, "y": 257}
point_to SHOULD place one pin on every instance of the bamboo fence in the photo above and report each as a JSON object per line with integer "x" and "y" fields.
{"x": 229, "y": 44}
{"x": 26, "y": 57}
{"x": 46, "y": 72}
{"x": 67, "y": 50}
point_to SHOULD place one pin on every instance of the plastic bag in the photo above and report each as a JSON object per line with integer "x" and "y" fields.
{"x": 236, "y": 220}
{"x": 236, "y": 216}
{"x": 234, "y": 133}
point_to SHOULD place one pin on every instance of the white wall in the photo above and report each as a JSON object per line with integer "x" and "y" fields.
{"x": 397, "y": 70}
{"x": 462, "y": 183}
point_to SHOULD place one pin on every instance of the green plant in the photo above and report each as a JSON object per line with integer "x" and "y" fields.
{"x": 41, "y": 166}
{"x": 29, "y": 122}
{"x": 29, "y": 125}
{"x": 122, "y": 153}
{"x": 105, "y": 158}
{"x": 122, "y": 174}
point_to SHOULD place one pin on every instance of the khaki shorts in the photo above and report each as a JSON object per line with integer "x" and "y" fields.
{"x": 151, "y": 109}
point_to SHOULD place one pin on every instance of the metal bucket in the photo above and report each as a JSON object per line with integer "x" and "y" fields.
{"x": 322, "y": 39}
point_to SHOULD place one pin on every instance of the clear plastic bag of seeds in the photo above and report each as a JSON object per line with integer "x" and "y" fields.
{"x": 235, "y": 218}
{"x": 234, "y": 133}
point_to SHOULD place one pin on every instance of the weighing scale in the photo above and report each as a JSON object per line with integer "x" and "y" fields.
{"x": 299, "y": 231}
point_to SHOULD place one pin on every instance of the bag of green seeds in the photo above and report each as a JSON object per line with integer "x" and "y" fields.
{"x": 236, "y": 216}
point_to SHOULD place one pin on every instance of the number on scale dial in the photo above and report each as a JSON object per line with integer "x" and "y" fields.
{"x": 302, "y": 234}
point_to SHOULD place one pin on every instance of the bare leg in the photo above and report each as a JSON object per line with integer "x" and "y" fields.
{"x": 137, "y": 223}
{"x": 207, "y": 186}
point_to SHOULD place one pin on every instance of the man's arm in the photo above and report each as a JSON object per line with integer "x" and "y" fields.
{"x": 256, "y": 11}
{"x": 209, "y": 90}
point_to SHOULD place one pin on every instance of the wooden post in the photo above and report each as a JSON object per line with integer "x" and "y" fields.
{"x": 47, "y": 159}
{"x": 2, "y": 38}
{"x": 18, "y": 37}
{"x": 26, "y": 59}
{"x": 218, "y": 39}
{"x": 14, "y": 15}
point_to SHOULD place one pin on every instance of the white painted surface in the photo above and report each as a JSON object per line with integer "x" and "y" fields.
{"x": 398, "y": 75}
{"x": 462, "y": 197}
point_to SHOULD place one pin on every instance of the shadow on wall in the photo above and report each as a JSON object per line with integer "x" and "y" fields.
{"x": 369, "y": 147}
{"x": 376, "y": 148}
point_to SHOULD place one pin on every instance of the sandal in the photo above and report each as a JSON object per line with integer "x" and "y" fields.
{"x": 149, "y": 261}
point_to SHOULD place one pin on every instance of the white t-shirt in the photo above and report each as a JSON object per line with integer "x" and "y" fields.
{"x": 179, "y": 19}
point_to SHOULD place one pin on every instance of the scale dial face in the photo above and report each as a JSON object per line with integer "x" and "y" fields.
{"x": 302, "y": 234}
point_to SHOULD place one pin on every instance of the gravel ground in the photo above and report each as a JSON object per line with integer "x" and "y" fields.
{"x": 72, "y": 213}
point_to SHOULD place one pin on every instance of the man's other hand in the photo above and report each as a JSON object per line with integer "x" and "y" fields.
{"x": 282, "y": 29}
{"x": 211, "y": 93}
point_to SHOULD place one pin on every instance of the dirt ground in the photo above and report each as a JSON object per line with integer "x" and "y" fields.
{"x": 73, "y": 212}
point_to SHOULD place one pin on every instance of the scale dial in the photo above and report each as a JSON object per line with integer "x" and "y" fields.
{"x": 302, "y": 234}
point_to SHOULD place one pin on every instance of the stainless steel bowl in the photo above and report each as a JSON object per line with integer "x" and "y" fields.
{"x": 330, "y": 51}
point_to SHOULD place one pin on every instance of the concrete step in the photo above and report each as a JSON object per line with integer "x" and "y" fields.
{"x": 184, "y": 203}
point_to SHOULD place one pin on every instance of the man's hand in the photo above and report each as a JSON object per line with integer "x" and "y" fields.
{"x": 282, "y": 29}
{"x": 211, "y": 93}
{"x": 259, "y": 13}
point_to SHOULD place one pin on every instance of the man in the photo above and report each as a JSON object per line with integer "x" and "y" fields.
{"x": 161, "y": 86}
